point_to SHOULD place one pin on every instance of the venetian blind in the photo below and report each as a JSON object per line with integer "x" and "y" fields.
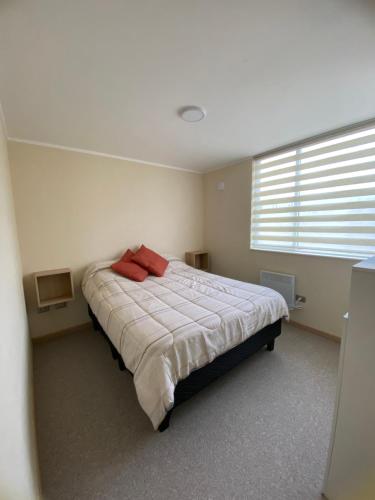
{"x": 317, "y": 198}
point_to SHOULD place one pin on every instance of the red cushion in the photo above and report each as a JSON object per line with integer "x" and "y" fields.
{"x": 152, "y": 261}
{"x": 127, "y": 257}
{"x": 130, "y": 270}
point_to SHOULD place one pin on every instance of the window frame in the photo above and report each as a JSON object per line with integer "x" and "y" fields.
{"x": 298, "y": 145}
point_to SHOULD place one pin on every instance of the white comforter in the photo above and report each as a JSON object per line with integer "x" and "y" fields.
{"x": 164, "y": 328}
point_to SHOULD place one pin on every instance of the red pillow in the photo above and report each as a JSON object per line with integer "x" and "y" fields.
{"x": 127, "y": 257}
{"x": 152, "y": 261}
{"x": 130, "y": 270}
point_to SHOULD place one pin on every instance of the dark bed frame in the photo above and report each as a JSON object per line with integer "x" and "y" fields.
{"x": 198, "y": 379}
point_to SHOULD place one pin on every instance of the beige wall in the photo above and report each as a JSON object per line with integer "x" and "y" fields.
{"x": 324, "y": 281}
{"x": 18, "y": 465}
{"x": 74, "y": 208}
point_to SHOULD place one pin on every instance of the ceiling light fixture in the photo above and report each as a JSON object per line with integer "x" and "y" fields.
{"x": 192, "y": 113}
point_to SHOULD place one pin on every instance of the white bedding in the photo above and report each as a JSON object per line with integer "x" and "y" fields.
{"x": 164, "y": 328}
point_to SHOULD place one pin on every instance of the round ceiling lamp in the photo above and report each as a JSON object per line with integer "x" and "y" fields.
{"x": 192, "y": 113}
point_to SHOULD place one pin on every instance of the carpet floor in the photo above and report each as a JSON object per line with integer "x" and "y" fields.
{"x": 260, "y": 432}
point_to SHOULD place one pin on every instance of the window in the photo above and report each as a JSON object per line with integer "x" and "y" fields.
{"x": 317, "y": 198}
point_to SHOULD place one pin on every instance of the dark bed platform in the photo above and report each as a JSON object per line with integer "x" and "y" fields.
{"x": 198, "y": 379}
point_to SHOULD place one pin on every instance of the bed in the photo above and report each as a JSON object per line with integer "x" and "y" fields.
{"x": 177, "y": 333}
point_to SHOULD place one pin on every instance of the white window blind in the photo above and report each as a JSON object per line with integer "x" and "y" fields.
{"x": 317, "y": 198}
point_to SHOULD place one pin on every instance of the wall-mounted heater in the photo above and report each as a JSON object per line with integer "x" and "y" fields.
{"x": 282, "y": 283}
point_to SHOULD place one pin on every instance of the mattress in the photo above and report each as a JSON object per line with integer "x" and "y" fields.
{"x": 164, "y": 328}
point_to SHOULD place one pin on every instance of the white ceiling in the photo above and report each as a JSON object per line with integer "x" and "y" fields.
{"x": 109, "y": 76}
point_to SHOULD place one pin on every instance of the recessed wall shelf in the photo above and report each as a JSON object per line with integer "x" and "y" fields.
{"x": 53, "y": 287}
{"x": 197, "y": 259}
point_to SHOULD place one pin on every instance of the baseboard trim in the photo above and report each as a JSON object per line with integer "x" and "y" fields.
{"x": 310, "y": 329}
{"x": 60, "y": 333}
{"x": 82, "y": 326}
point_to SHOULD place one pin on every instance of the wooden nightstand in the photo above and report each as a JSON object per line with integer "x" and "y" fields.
{"x": 198, "y": 259}
{"x": 53, "y": 288}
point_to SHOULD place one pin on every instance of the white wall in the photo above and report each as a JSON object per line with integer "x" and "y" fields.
{"x": 73, "y": 209}
{"x": 324, "y": 281}
{"x": 18, "y": 465}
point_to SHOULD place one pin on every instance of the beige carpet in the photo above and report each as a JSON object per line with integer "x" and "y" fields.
{"x": 260, "y": 432}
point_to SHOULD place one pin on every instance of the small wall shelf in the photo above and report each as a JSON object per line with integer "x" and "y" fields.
{"x": 198, "y": 259}
{"x": 53, "y": 287}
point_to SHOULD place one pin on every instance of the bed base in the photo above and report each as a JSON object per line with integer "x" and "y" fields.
{"x": 200, "y": 378}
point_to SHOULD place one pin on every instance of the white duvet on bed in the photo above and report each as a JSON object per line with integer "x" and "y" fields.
{"x": 164, "y": 328}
